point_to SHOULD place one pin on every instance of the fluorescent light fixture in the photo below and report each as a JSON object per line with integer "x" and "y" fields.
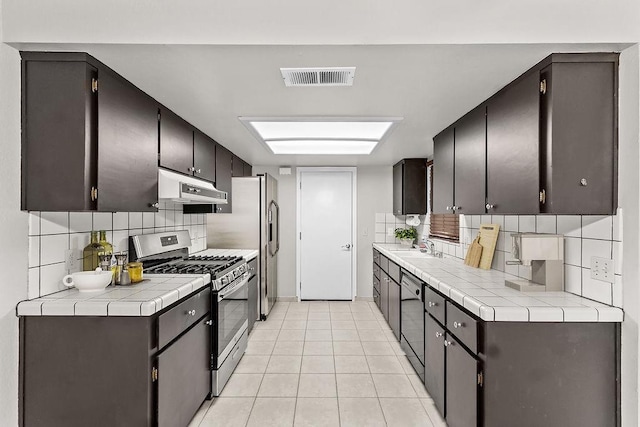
{"x": 321, "y": 146}
{"x": 309, "y": 136}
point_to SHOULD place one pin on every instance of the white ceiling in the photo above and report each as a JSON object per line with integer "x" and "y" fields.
{"x": 430, "y": 86}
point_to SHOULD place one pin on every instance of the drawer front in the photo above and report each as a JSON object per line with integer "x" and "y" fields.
{"x": 173, "y": 322}
{"x": 376, "y": 297}
{"x": 434, "y": 304}
{"x": 253, "y": 267}
{"x": 376, "y": 271}
{"x": 384, "y": 263}
{"x": 376, "y": 284}
{"x": 463, "y": 326}
{"x": 394, "y": 271}
{"x": 376, "y": 257}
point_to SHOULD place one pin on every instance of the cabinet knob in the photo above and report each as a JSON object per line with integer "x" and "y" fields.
{"x": 191, "y": 312}
{"x": 154, "y": 205}
{"x": 432, "y": 304}
{"x": 209, "y": 322}
{"x": 458, "y": 325}
{"x": 447, "y": 343}
{"x": 438, "y": 334}
{"x": 191, "y": 169}
{"x": 219, "y": 209}
{"x": 489, "y": 206}
{"x": 448, "y": 208}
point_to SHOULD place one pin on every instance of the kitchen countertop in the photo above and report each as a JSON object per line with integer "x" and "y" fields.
{"x": 247, "y": 254}
{"x": 156, "y": 292}
{"x": 483, "y": 292}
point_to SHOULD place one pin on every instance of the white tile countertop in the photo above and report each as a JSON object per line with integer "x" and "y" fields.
{"x": 247, "y": 254}
{"x": 156, "y": 292}
{"x": 483, "y": 292}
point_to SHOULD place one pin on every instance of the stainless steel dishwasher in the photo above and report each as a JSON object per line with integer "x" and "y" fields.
{"x": 412, "y": 321}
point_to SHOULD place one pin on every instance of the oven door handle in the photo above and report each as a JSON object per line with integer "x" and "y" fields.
{"x": 227, "y": 291}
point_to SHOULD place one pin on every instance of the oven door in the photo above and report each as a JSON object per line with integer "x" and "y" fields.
{"x": 412, "y": 322}
{"x": 232, "y": 316}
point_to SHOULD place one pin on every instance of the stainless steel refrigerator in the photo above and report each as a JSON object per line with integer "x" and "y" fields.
{"x": 253, "y": 224}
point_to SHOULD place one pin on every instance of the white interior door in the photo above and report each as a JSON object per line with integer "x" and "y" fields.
{"x": 326, "y": 227}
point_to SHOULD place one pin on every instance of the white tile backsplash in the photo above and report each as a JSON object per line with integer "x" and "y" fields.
{"x": 597, "y": 227}
{"x": 569, "y": 225}
{"x": 573, "y": 279}
{"x": 51, "y": 234}
{"x": 546, "y": 224}
{"x": 595, "y": 289}
{"x": 595, "y": 248}
{"x": 527, "y": 224}
{"x": 573, "y": 251}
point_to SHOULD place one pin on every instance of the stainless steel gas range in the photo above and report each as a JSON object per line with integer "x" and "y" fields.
{"x": 167, "y": 253}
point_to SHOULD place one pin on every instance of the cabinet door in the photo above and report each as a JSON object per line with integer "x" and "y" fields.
{"x": 223, "y": 176}
{"x": 247, "y": 169}
{"x": 470, "y": 167}
{"x": 176, "y": 142}
{"x": 398, "y": 187}
{"x": 184, "y": 376}
{"x": 434, "y": 351}
{"x": 237, "y": 166}
{"x": 394, "y": 308}
{"x": 462, "y": 386}
{"x": 204, "y": 156}
{"x": 127, "y": 147}
{"x": 384, "y": 295}
{"x": 443, "y": 171}
{"x": 513, "y": 148}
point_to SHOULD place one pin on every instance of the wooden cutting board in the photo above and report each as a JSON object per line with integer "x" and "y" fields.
{"x": 488, "y": 240}
{"x": 474, "y": 253}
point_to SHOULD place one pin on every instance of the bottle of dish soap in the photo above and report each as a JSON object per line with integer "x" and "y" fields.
{"x": 108, "y": 250}
{"x": 90, "y": 260}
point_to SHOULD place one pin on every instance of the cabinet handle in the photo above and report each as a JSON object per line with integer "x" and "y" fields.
{"x": 448, "y": 208}
{"x": 543, "y": 197}
{"x": 458, "y": 325}
{"x": 94, "y": 194}
{"x": 438, "y": 334}
{"x": 191, "y": 169}
{"x": 432, "y": 304}
{"x": 209, "y": 322}
{"x": 198, "y": 170}
{"x": 219, "y": 209}
{"x": 191, "y": 312}
{"x": 543, "y": 86}
{"x": 447, "y": 343}
{"x": 154, "y": 205}
{"x": 455, "y": 208}
{"x": 489, "y": 206}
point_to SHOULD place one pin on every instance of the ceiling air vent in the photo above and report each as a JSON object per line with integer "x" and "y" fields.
{"x": 327, "y": 76}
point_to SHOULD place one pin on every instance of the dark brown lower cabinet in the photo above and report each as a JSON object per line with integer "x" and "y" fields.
{"x": 461, "y": 394}
{"x": 434, "y": 351}
{"x": 394, "y": 308}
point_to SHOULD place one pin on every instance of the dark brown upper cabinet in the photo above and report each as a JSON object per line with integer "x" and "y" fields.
{"x": 89, "y": 137}
{"x": 176, "y": 142}
{"x": 551, "y": 144}
{"x": 240, "y": 167}
{"x": 248, "y": 169}
{"x": 223, "y": 176}
{"x": 410, "y": 187}
{"x": 204, "y": 156}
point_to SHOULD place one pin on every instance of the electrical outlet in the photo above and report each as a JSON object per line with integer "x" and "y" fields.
{"x": 602, "y": 269}
{"x": 71, "y": 260}
{"x": 365, "y": 232}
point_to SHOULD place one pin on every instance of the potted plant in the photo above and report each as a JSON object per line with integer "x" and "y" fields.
{"x": 406, "y": 235}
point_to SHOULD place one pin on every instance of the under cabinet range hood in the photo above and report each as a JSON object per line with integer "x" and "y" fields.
{"x": 188, "y": 190}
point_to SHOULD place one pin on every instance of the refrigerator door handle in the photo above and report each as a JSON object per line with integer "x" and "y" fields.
{"x": 273, "y": 250}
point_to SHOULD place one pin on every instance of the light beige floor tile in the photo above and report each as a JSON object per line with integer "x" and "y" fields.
{"x": 284, "y": 364}
{"x": 228, "y": 412}
{"x": 377, "y": 348}
{"x": 355, "y": 385}
{"x": 433, "y": 413}
{"x": 345, "y": 335}
{"x": 272, "y": 412}
{"x": 242, "y": 385}
{"x": 277, "y": 315}
{"x": 351, "y": 365}
{"x": 294, "y": 324}
{"x": 318, "y": 348}
{"x": 348, "y": 348}
{"x": 269, "y": 324}
{"x": 383, "y": 325}
{"x": 397, "y": 349}
{"x": 406, "y": 365}
{"x": 319, "y": 308}
{"x": 292, "y": 335}
{"x": 341, "y": 315}
{"x": 404, "y": 412}
{"x": 296, "y": 315}
{"x": 318, "y": 335}
{"x": 363, "y": 315}
{"x": 359, "y": 412}
{"x": 264, "y": 335}
{"x": 317, "y": 412}
{"x": 259, "y": 347}
{"x": 251, "y": 364}
{"x": 393, "y": 385}
{"x": 317, "y": 385}
{"x": 317, "y": 365}
{"x": 343, "y": 324}
{"x": 418, "y": 386}
{"x": 390, "y": 336}
{"x": 384, "y": 365}
{"x": 335, "y": 307}
{"x": 367, "y": 324}
{"x": 288, "y": 348}
{"x": 372, "y": 335}
{"x": 199, "y": 416}
{"x": 319, "y": 315}
{"x": 298, "y": 308}
{"x": 360, "y": 306}
{"x": 318, "y": 324}
{"x": 279, "y": 385}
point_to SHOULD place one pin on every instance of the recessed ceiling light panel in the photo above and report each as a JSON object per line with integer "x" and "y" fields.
{"x": 320, "y": 146}
{"x": 357, "y": 130}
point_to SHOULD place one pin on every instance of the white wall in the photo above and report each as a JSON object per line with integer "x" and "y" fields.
{"x": 327, "y": 22}
{"x": 374, "y": 194}
{"x": 13, "y": 232}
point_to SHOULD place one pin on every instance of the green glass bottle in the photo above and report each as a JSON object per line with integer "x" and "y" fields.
{"x": 90, "y": 260}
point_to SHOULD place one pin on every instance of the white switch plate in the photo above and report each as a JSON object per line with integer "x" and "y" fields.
{"x": 71, "y": 260}
{"x": 602, "y": 269}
